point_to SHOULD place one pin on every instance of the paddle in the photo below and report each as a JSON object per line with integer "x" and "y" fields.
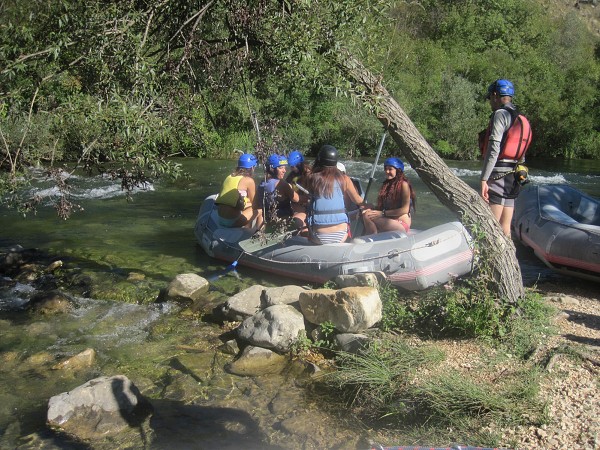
{"x": 231, "y": 267}
{"x": 371, "y": 178}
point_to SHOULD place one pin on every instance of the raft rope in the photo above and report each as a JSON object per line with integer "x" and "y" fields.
{"x": 390, "y": 255}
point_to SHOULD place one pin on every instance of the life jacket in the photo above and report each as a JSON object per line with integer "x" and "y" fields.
{"x": 271, "y": 201}
{"x": 230, "y": 195}
{"x": 327, "y": 211}
{"x": 516, "y": 139}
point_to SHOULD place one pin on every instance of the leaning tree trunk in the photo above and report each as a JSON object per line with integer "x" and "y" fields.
{"x": 498, "y": 250}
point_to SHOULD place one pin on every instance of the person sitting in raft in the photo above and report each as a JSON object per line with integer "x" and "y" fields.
{"x": 394, "y": 203}
{"x": 234, "y": 202}
{"x": 298, "y": 179}
{"x": 326, "y": 214}
{"x": 275, "y": 195}
{"x": 351, "y": 207}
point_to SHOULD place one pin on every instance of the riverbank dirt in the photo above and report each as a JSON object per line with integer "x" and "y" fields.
{"x": 572, "y": 392}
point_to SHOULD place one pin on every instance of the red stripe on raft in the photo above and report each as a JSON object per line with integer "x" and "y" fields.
{"x": 438, "y": 267}
{"x": 561, "y": 260}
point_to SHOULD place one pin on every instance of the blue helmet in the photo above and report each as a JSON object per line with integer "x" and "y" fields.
{"x": 277, "y": 160}
{"x": 295, "y": 158}
{"x": 394, "y": 162}
{"x": 247, "y": 161}
{"x": 502, "y": 88}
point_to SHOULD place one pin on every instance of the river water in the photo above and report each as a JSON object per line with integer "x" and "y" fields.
{"x": 130, "y": 249}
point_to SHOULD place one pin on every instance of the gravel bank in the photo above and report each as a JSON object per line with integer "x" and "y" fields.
{"x": 573, "y": 389}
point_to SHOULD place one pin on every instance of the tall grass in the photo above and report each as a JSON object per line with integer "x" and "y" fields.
{"x": 404, "y": 384}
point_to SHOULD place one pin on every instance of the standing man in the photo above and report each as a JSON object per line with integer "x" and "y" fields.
{"x": 503, "y": 145}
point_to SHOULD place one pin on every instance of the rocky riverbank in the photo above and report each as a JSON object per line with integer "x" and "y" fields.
{"x": 571, "y": 391}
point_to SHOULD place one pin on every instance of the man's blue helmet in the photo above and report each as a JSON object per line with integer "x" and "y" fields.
{"x": 247, "y": 161}
{"x": 394, "y": 162}
{"x": 295, "y": 158}
{"x": 502, "y": 88}
{"x": 277, "y": 160}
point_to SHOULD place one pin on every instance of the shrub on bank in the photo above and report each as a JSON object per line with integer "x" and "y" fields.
{"x": 449, "y": 361}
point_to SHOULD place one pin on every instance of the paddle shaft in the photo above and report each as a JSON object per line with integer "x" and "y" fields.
{"x": 372, "y": 177}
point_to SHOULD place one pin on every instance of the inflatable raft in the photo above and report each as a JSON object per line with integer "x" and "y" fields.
{"x": 562, "y": 226}
{"x": 413, "y": 262}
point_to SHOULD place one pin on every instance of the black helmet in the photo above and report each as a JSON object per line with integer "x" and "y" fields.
{"x": 328, "y": 156}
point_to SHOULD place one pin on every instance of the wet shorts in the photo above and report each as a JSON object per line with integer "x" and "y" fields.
{"x": 503, "y": 191}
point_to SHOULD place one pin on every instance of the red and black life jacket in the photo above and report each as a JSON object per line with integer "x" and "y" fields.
{"x": 516, "y": 139}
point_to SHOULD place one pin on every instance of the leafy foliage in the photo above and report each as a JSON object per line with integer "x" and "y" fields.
{"x": 133, "y": 82}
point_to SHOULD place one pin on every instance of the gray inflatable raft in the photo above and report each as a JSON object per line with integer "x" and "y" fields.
{"x": 562, "y": 226}
{"x": 413, "y": 262}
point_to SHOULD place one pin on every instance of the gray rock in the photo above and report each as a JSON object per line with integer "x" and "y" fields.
{"x": 256, "y": 361}
{"x": 275, "y": 327}
{"x": 357, "y": 279}
{"x": 187, "y": 287}
{"x": 284, "y": 295}
{"x": 351, "y": 309}
{"x": 230, "y": 347}
{"x": 351, "y": 343}
{"x": 100, "y": 407}
{"x": 244, "y": 304}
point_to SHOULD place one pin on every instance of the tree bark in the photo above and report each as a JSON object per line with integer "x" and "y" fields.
{"x": 495, "y": 251}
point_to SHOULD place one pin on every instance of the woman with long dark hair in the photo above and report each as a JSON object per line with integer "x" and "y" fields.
{"x": 326, "y": 215}
{"x": 395, "y": 201}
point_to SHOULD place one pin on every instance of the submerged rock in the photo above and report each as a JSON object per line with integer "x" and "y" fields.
{"x": 256, "y": 361}
{"x": 80, "y": 361}
{"x": 52, "y": 302}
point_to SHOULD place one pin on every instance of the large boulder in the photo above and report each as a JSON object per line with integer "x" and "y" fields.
{"x": 244, "y": 304}
{"x": 102, "y": 406}
{"x": 275, "y": 327}
{"x": 351, "y": 310}
{"x": 284, "y": 295}
{"x": 187, "y": 287}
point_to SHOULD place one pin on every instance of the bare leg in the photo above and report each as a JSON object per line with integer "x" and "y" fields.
{"x": 504, "y": 215}
{"x": 388, "y": 224}
{"x": 370, "y": 227}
